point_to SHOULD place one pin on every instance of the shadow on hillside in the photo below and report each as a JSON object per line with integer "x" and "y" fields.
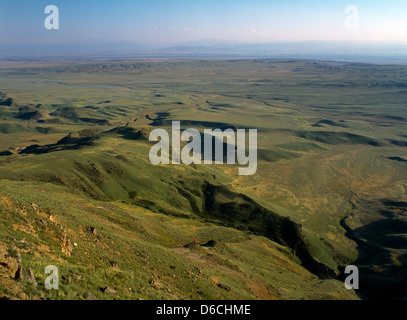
{"x": 70, "y": 142}
{"x": 382, "y": 247}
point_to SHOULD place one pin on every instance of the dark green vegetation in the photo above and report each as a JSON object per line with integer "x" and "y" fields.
{"x": 78, "y": 191}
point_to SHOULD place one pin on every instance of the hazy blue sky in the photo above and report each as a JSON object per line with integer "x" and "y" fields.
{"x": 173, "y": 21}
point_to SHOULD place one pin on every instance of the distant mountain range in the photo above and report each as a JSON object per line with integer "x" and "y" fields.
{"x": 348, "y": 51}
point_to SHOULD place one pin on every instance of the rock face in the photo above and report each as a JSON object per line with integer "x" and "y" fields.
{"x": 30, "y": 277}
{"x": 10, "y": 263}
{"x": 108, "y": 290}
{"x": 91, "y": 296}
{"x": 66, "y": 245}
{"x": 10, "y": 271}
{"x": 223, "y": 286}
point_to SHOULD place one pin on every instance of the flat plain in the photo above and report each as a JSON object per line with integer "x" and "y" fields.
{"x": 78, "y": 191}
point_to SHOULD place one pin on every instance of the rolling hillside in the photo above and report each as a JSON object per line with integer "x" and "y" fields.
{"x": 78, "y": 191}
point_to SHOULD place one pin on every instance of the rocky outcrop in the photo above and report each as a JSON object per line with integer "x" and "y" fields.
{"x": 10, "y": 263}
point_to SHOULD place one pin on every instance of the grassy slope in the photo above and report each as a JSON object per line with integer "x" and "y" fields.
{"x": 69, "y": 178}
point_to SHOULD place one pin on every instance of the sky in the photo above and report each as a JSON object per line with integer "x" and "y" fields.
{"x": 170, "y": 22}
